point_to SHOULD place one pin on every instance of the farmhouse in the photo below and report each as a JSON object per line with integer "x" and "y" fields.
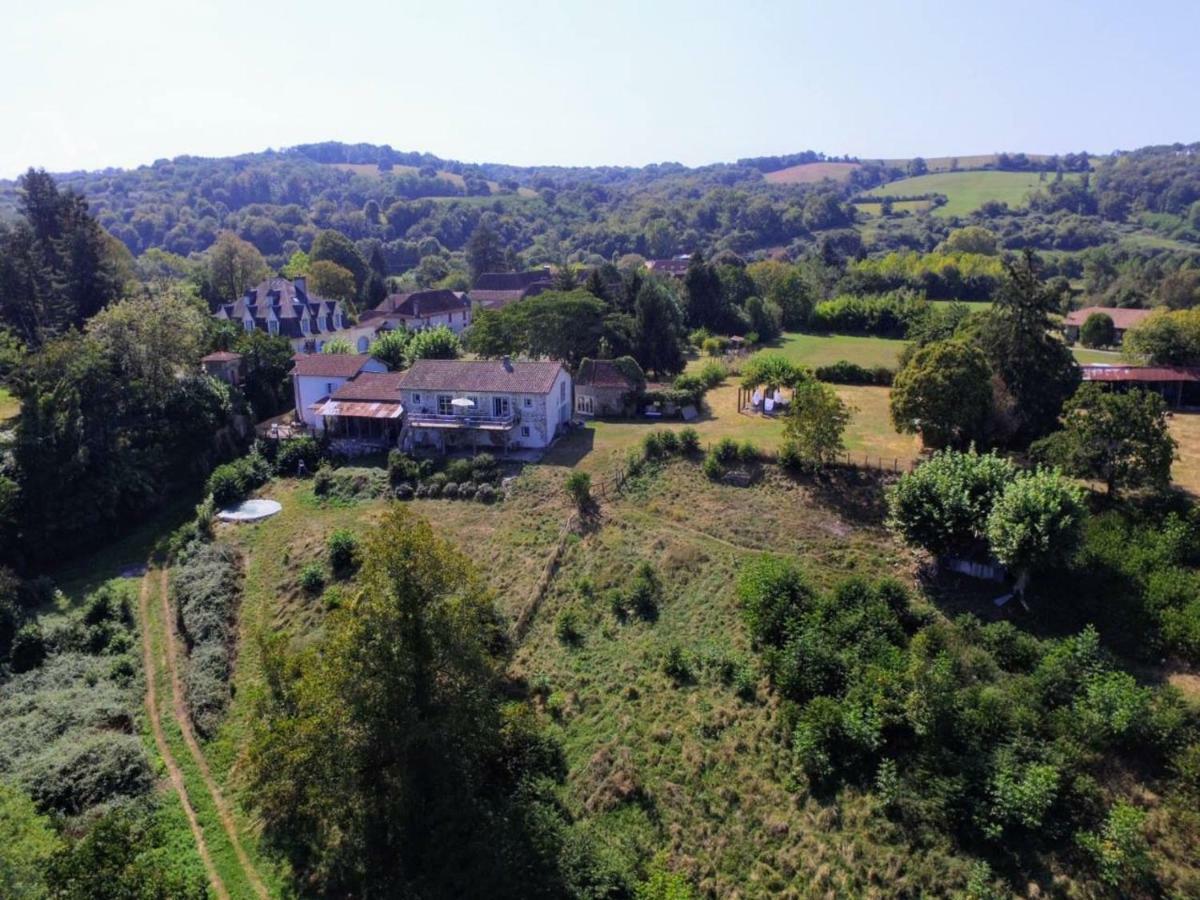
{"x": 484, "y": 404}
{"x": 675, "y": 267}
{"x": 283, "y": 307}
{"x": 1178, "y": 385}
{"x": 495, "y": 290}
{"x": 608, "y": 387}
{"x": 1123, "y": 320}
{"x": 420, "y": 310}
{"x": 316, "y": 377}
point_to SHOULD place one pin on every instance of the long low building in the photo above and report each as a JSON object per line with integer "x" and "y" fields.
{"x": 1122, "y": 318}
{"x": 1178, "y": 385}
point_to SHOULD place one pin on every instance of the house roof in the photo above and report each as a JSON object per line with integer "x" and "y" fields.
{"x": 677, "y": 265}
{"x": 602, "y": 373}
{"x": 329, "y": 365}
{"x": 510, "y": 281}
{"x": 1122, "y": 317}
{"x": 1139, "y": 374}
{"x": 498, "y": 299}
{"x": 481, "y": 375}
{"x": 288, "y": 299}
{"x": 423, "y": 303}
{"x": 221, "y": 356}
{"x": 371, "y": 386}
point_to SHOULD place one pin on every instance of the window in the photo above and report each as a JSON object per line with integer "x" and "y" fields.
{"x": 273, "y": 326}
{"x": 444, "y": 407}
{"x": 528, "y": 402}
{"x": 416, "y": 398}
{"x": 324, "y": 323}
{"x": 337, "y": 321}
{"x": 248, "y": 324}
{"x": 363, "y": 344}
{"x": 524, "y": 431}
{"x": 329, "y": 388}
{"x": 304, "y": 325}
{"x": 562, "y": 391}
{"x": 499, "y": 406}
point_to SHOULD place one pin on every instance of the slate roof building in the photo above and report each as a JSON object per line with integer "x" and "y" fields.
{"x": 605, "y": 387}
{"x": 285, "y": 307}
{"x": 495, "y": 290}
{"x": 419, "y": 310}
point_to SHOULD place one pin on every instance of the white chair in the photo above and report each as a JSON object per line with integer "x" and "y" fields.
{"x": 768, "y": 405}
{"x": 757, "y": 399}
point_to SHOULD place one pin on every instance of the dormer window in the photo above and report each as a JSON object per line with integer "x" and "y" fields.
{"x": 337, "y": 320}
{"x": 325, "y": 322}
{"x": 304, "y": 325}
{"x": 273, "y": 326}
{"x": 248, "y": 324}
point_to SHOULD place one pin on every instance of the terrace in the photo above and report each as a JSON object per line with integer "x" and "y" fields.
{"x": 463, "y": 420}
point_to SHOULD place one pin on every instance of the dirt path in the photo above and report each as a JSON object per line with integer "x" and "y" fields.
{"x": 179, "y": 707}
{"x": 164, "y": 751}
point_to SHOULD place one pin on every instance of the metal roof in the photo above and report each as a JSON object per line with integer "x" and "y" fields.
{"x": 1144, "y": 374}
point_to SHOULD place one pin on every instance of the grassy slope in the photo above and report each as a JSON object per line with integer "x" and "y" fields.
{"x": 811, "y": 173}
{"x": 9, "y": 405}
{"x": 692, "y": 769}
{"x": 966, "y": 191}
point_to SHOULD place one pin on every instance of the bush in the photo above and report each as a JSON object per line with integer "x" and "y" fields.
{"x": 1098, "y": 331}
{"x": 312, "y": 578}
{"x": 712, "y": 373}
{"x": 28, "y": 648}
{"x": 845, "y": 372}
{"x": 469, "y": 491}
{"x": 726, "y": 451}
{"x": 714, "y": 346}
{"x": 458, "y": 470}
{"x": 712, "y": 466}
{"x": 227, "y": 484}
{"x": 206, "y": 587}
{"x": 677, "y": 665}
{"x": 645, "y": 592}
{"x": 323, "y": 480}
{"x": 343, "y": 552}
{"x": 76, "y": 775}
{"x": 433, "y": 490}
{"x": 566, "y": 627}
{"x": 450, "y": 491}
{"x": 689, "y": 441}
{"x": 579, "y": 488}
{"x": 484, "y": 468}
{"x": 404, "y": 491}
{"x": 295, "y": 451}
{"x": 887, "y": 315}
{"x": 747, "y": 453}
{"x": 652, "y": 447}
{"x": 669, "y": 441}
{"x": 402, "y": 467}
{"x": 485, "y": 494}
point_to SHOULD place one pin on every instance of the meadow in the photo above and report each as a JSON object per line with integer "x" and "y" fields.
{"x": 967, "y": 191}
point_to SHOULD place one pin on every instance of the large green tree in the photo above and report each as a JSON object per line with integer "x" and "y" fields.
{"x": 233, "y": 266}
{"x": 944, "y": 394}
{"x": 383, "y": 760}
{"x": 335, "y": 247}
{"x": 658, "y": 331}
{"x": 485, "y": 251}
{"x": 1120, "y": 438}
{"x": 815, "y": 423}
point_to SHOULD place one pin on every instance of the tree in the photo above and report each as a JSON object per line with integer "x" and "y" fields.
{"x": 943, "y": 505}
{"x": 815, "y": 424}
{"x": 335, "y": 247}
{"x": 382, "y": 761}
{"x": 490, "y": 335}
{"x": 485, "y": 251}
{"x": 705, "y": 298}
{"x": 944, "y": 394}
{"x": 658, "y": 332}
{"x": 233, "y": 266}
{"x": 558, "y": 326}
{"x": 785, "y": 286}
{"x": 917, "y": 166}
{"x": 391, "y": 349}
{"x": 579, "y": 488}
{"x": 1098, "y": 331}
{"x": 1038, "y": 371}
{"x": 1121, "y": 439}
{"x": 337, "y": 346}
{"x": 328, "y": 279}
{"x": 266, "y": 364}
{"x": 27, "y": 844}
{"x": 433, "y": 343}
{"x": 296, "y": 265}
{"x": 1036, "y": 522}
{"x": 1166, "y": 339}
{"x": 971, "y": 239}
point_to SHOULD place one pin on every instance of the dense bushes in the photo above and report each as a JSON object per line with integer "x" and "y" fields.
{"x": 845, "y": 372}
{"x": 207, "y": 587}
{"x": 886, "y": 315}
{"x": 460, "y": 479}
{"x": 977, "y": 732}
{"x": 230, "y": 483}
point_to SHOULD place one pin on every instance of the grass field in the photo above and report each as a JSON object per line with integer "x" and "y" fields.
{"x": 371, "y": 170}
{"x": 911, "y": 206}
{"x": 967, "y": 191}
{"x": 9, "y": 405}
{"x": 810, "y": 173}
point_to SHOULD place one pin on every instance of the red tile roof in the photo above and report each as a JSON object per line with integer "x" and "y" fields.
{"x": 481, "y": 375}
{"x": 329, "y": 365}
{"x": 378, "y": 386}
{"x": 602, "y": 373}
{"x": 1122, "y": 318}
{"x": 1144, "y": 374}
{"x": 675, "y": 266}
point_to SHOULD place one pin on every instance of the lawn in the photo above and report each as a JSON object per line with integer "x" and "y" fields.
{"x": 9, "y": 405}
{"x": 1111, "y": 357}
{"x": 1185, "y": 428}
{"x": 966, "y": 191}
{"x": 912, "y": 206}
{"x": 814, "y": 350}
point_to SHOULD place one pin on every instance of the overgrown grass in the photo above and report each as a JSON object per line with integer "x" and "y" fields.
{"x": 967, "y": 191}
{"x": 10, "y": 406}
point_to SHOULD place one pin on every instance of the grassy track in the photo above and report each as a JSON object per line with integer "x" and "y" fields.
{"x": 967, "y": 191}
{"x": 220, "y": 840}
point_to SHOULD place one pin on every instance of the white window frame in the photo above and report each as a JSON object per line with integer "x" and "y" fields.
{"x": 444, "y": 407}
{"x": 529, "y": 403}
{"x": 524, "y": 431}
{"x": 502, "y": 404}
{"x": 273, "y": 326}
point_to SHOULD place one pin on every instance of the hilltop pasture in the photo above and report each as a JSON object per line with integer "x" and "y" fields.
{"x": 967, "y": 191}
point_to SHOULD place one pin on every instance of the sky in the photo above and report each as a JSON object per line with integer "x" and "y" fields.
{"x": 89, "y": 85}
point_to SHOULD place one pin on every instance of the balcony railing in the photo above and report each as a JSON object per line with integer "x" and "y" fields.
{"x": 463, "y": 420}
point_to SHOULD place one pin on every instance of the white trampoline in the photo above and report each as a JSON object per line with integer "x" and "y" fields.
{"x": 249, "y": 511}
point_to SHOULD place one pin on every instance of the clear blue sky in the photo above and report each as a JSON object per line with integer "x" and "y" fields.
{"x": 92, "y": 84}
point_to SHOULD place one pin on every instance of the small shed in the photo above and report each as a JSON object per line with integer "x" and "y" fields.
{"x": 608, "y": 387}
{"x": 1178, "y": 385}
{"x": 223, "y": 365}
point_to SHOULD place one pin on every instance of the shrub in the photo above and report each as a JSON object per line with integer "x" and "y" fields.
{"x": 652, "y": 447}
{"x": 206, "y": 587}
{"x": 691, "y": 385}
{"x": 458, "y": 470}
{"x": 28, "y": 648}
{"x": 714, "y": 346}
{"x": 312, "y": 578}
{"x": 227, "y": 484}
{"x": 434, "y": 489}
{"x": 791, "y": 458}
{"x": 323, "y": 480}
{"x": 677, "y": 665}
{"x": 484, "y": 468}
{"x": 1098, "y": 331}
{"x": 669, "y": 441}
{"x": 645, "y": 592}
{"x": 579, "y": 488}
{"x": 712, "y": 466}
{"x": 726, "y": 451}
{"x": 697, "y": 336}
{"x": 295, "y": 451}
{"x": 75, "y": 775}
{"x": 689, "y": 441}
{"x": 485, "y": 494}
{"x": 402, "y": 467}
{"x": 747, "y": 453}
{"x": 404, "y": 491}
{"x": 469, "y": 491}
{"x": 712, "y": 373}
{"x": 566, "y": 627}
{"x": 450, "y": 491}
{"x": 343, "y": 551}
{"x": 845, "y": 372}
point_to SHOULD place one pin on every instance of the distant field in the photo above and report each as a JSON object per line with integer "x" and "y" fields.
{"x": 810, "y": 173}
{"x": 912, "y": 206}
{"x": 1111, "y": 357}
{"x": 966, "y": 191}
{"x": 947, "y": 163}
{"x": 370, "y": 170}
{"x": 820, "y": 350}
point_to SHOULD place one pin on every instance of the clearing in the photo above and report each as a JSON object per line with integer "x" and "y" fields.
{"x": 811, "y": 173}
{"x": 967, "y": 191}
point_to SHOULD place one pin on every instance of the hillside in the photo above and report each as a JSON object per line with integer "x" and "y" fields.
{"x": 967, "y": 191}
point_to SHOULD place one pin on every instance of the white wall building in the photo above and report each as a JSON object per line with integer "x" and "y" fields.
{"x": 317, "y": 376}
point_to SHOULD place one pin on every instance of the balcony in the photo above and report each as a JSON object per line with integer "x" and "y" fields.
{"x": 462, "y": 421}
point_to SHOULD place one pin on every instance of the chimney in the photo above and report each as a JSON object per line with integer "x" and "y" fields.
{"x": 301, "y": 284}
{"x": 507, "y": 362}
